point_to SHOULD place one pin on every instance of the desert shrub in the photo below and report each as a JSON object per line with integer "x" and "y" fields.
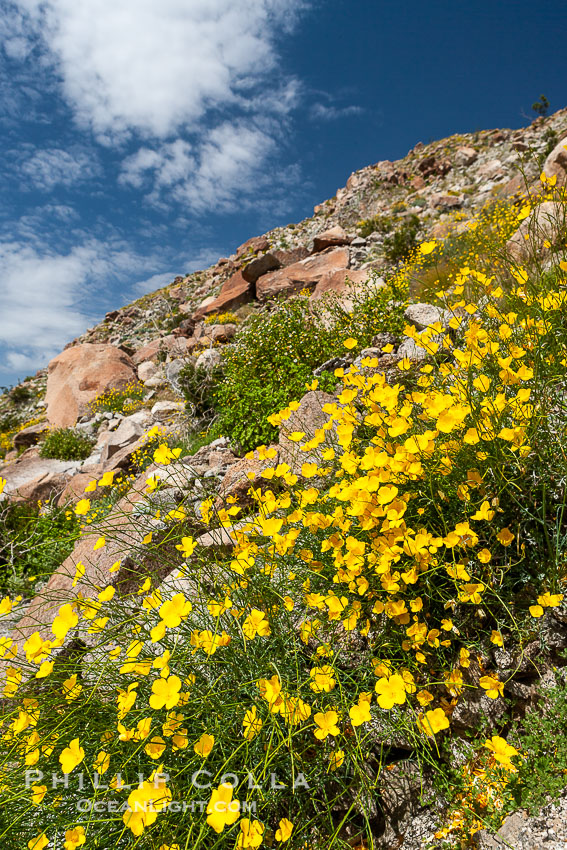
{"x": 399, "y": 244}
{"x": 20, "y": 394}
{"x": 66, "y": 444}
{"x": 274, "y": 356}
{"x": 551, "y": 139}
{"x": 222, "y": 318}
{"x": 123, "y": 400}
{"x": 376, "y": 224}
{"x": 197, "y": 386}
{"x": 542, "y": 738}
{"x": 480, "y": 246}
{"x": 34, "y": 541}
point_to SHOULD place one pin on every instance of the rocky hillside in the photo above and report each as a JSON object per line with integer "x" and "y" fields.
{"x": 368, "y": 226}
{"x": 301, "y": 515}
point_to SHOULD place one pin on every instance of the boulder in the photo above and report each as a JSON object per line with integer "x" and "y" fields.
{"x": 178, "y": 346}
{"x": 164, "y": 409}
{"x": 75, "y": 487}
{"x": 293, "y": 255}
{"x": 305, "y": 274}
{"x": 146, "y": 370}
{"x": 241, "y": 476}
{"x": 344, "y": 283}
{"x": 556, "y": 163}
{"x": 443, "y": 201}
{"x": 400, "y": 786}
{"x": 127, "y": 432}
{"x": 81, "y": 373}
{"x": 465, "y": 155}
{"x": 222, "y": 333}
{"x": 411, "y": 350}
{"x": 147, "y": 352}
{"x": 253, "y": 246}
{"x": 492, "y": 169}
{"x": 259, "y": 266}
{"x": 29, "y": 436}
{"x": 308, "y": 418}
{"x": 540, "y": 226}
{"x": 331, "y": 238}
{"x": 430, "y": 166}
{"x": 512, "y": 833}
{"x": 172, "y": 371}
{"x": 122, "y": 458}
{"x": 32, "y": 478}
{"x": 209, "y": 359}
{"x": 156, "y": 380}
{"x": 201, "y": 309}
{"x": 423, "y": 315}
{"x": 234, "y": 292}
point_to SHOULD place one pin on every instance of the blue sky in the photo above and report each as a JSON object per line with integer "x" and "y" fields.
{"x": 145, "y": 138}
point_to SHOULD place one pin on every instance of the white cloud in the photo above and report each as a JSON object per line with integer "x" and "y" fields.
{"x": 169, "y": 164}
{"x": 44, "y": 296}
{"x": 223, "y": 172}
{"x": 332, "y": 113}
{"x": 195, "y": 85}
{"x": 154, "y": 67}
{"x": 51, "y": 167}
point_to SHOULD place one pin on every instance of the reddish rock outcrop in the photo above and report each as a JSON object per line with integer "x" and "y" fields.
{"x": 253, "y": 246}
{"x": 235, "y": 292}
{"x": 341, "y": 282}
{"x": 259, "y": 266}
{"x": 81, "y": 373}
{"x": 147, "y": 352}
{"x": 331, "y": 238}
{"x": 303, "y": 275}
{"x": 293, "y": 255}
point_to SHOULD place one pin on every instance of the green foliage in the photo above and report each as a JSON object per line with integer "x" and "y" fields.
{"x": 399, "y": 245}
{"x": 66, "y": 444}
{"x": 275, "y": 354}
{"x": 542, "y": 739}
{"x": 9, "y": 421}
{"x": 270, "y": 363}
{"x": 541, "y": 106}
{"x": 20, "y": 394}
{"x": 195, "y": 440}
{"x": 34, "y": 541}
{"x": 376, "y": 224}
{"x": 551, "y": 139}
